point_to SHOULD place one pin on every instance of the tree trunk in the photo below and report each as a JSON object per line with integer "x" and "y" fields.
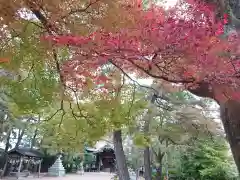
{"x": 20, "y": 136}
{"x": 33, "y": 140}
{"x": 147, "y": 161}
{"x": 7, "y": 146}
{"x": 159, "y": 157}
{"x": 147, "y": 164}
{"x": 120, "y": 156}
{"x": 230, "y": 110}
{"x": 230, "y": 115}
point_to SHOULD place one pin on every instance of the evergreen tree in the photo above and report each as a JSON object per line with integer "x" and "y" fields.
{"x": 208, "y": 159}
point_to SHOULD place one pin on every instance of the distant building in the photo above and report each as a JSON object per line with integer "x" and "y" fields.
{"x": 105, "y": 159}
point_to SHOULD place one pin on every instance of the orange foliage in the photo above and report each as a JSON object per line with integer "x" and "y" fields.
{"x": 4, "y": 60}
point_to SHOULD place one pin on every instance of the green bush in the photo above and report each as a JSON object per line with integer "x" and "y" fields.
{"x": 208, "y": 160}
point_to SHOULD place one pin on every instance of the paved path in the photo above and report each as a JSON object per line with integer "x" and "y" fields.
{"x": 86, "y": 176}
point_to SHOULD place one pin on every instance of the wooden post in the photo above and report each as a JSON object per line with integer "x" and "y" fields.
{"x": 99, "y": 164}
{"x": 39, "y": 168}
{"x": 5, "y": 165}
{"x": 28, "y": 164}
{"x": 19, "y": 167}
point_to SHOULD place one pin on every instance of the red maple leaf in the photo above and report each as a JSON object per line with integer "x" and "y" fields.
{"x": 176, "y": 45}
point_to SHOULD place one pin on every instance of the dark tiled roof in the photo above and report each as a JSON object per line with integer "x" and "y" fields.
{"x": 88, "y": 149}
{"x": 26, "y": 152}
{"x": 106, "y": 147}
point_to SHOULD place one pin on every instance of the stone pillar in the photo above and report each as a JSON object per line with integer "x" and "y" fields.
{"x": 57, "y": 168}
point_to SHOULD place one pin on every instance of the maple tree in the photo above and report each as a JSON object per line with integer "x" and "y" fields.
{"x": 34, "y": 70}
{"x": 162, "y": 44}
{"x": 25, "y": 61}
{"x": 185, "y": 44}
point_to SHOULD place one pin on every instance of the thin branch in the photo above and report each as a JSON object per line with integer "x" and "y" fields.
{"x": 51, "y": 30}
{"x": 80, "y": 10}
{"x": 190, "y": 80}
{"x": 57, "y": 111}
{"x": 63, "y": 114}
{"x": 154, "y": 152}
{"x": 49, "y": 27}
{"x": 132, "y": 101}
{"x": 34, "y": 23}
{"x": 74, "y": 114}
{"x": 134, "y": 81}
{"x": 78, "y": 105}
{"x": 155, "y": 91}
{"x": 28, "y": 75}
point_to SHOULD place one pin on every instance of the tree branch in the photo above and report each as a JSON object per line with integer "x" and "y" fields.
{"x": 80, "y": 10}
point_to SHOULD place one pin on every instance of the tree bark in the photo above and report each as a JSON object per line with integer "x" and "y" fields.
{"x": 20, "y": 136}
{"x": 7, "y": 146}
{"x": 120, "y": 156}
{"x": 230, "y": 115}
{"x": 147, "y": 160}
{"x": 33, "y": 140}
{"x": 159, "y": 157}
{"x": 147, "y": 164}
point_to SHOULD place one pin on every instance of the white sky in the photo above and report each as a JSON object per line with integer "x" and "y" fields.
{"x": 168, "y": 3}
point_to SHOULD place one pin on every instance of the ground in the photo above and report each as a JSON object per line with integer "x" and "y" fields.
{"x": 86, "y": 176}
